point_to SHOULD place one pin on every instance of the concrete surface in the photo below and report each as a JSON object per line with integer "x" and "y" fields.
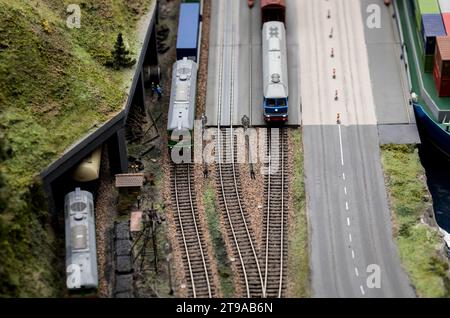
{"x": 389, "y": 81}
{"x": 398, "y": 134}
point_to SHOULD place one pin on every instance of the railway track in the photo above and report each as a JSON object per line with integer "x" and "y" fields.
{"x": 236, "y": 218}
{"x": 276, "y": 214}
{"x": 193, "y": 247}
{"x": 239, "y": 233}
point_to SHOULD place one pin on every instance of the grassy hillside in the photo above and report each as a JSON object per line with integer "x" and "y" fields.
{"x": 419, "y": 245}
{"x": 54, "y": 87}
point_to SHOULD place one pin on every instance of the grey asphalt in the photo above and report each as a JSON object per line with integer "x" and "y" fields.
{"x": 389, "y": 82}
{"x": 398, "y": 134}
{"x": 245, "y": 24}
{"x": 395, "y": 115}
{"x": 339, "y": 265}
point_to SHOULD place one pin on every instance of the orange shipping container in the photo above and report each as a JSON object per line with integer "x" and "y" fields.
{"x": 442, "y": 57}
{"x": 446, "y": 19}
{"x": 442, "y": 85}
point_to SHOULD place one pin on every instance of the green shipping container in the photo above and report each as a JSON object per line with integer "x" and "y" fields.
{"x": 428, "y": 63}
{"x": 425, "y": 7}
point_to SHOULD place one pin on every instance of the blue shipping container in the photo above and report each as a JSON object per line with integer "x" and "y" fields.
{"x": 432, "y": 26}
{"x": 188, "y": 31}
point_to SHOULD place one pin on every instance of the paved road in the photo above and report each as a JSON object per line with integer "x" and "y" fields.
{"x": 347, "y": 205}
{"x": 238, "y": 59}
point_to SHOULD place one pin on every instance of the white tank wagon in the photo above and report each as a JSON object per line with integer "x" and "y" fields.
{"x": 81, "y": 257}
{"x": 89, "y": 168}
{"x": 275, "y": 72}
{"x": 182, "y": 102}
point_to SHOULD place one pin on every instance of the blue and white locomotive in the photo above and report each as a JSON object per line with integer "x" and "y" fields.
{"x": 275, "y": 72}
{"x": 81, "y": 257}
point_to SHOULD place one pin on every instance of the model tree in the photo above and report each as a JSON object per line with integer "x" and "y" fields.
{"x": 120, "y": 55}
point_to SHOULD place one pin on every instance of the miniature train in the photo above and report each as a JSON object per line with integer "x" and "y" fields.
{"x": 81, "y": 257}
{"x": 275, "y": 69}
{"x": 180, "y": 122}
{"x": 182, "y": 103}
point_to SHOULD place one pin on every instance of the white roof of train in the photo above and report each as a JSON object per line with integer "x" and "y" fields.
{"x": 275, "y": 60}
{"x": 182, "y": 97}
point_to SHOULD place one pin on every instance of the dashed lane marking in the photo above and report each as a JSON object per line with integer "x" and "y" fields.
{"x": 362, "y": 290}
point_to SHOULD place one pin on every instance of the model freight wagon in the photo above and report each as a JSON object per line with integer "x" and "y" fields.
{"x": 273, "y": 10}
{"x": 188, "y": 31}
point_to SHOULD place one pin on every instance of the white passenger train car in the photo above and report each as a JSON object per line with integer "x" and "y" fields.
{"x": 275, "y": 72}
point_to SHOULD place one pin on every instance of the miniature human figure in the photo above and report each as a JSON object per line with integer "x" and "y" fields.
{"x": 159, "y": 91}
{"x": 153, "y": 88}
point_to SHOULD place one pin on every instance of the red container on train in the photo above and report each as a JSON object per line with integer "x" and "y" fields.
{"x": 441, "y": 71}
{"x": 273, "y": 10}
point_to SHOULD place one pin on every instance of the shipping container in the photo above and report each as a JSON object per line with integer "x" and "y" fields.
{"x": 446, "y": 21}
{"x": 444, "y": 5}
{"x": 442, "y": 57}
{"x": 188, "y": 31}
{"x": 273, "y": 10}
{"x": 442, "y": 85}
{"x": 432, "y": 26}
{"x": 425, "y": 7}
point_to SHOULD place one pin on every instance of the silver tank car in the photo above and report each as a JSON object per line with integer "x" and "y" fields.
{"x": 275, "y": 72}
{"x": 81, "y": 257}
{"x": 182, "y": 99}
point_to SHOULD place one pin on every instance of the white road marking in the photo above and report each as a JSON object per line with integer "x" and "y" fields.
{"x": 356, "y": 272}
{"x": 348, "y": 221}
{"x": 362, "y": 290}
{"x": 353, "y": 254}
{"x": 350, "y": 237}
{"x": 345, "y": 190}
{"x": 343, "y": 175}
{"x": 346, "y": 206}
{"x": 340, "y": 144}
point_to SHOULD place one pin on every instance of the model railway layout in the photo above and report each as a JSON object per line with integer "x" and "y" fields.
{"x": 254, "y": 149}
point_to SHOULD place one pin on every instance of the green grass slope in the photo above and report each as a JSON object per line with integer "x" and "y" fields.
{"x": 53, "y": 89}
{"x": 419, "y": 244}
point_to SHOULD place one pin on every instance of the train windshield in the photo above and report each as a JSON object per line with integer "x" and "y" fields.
{"x": 272, "y": 102}
{"x": 282, "y": 102}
